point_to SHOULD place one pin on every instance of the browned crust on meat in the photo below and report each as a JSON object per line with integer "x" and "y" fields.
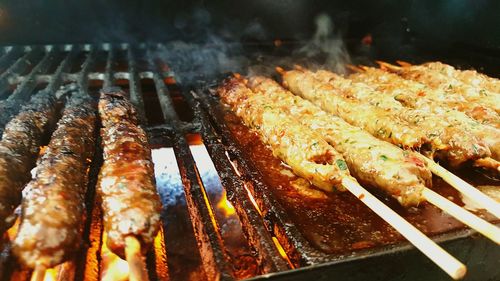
{"x": 130, "y": 203}
{"x": 54, "y": 201}
{"x": 19, "y": 147}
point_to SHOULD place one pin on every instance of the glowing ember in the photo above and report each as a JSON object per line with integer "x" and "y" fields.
{"x": 225, "y": 206}
{"x": 113, "y": 267}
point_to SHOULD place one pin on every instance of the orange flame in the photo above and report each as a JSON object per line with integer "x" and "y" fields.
{"x": 50, "y": 275}
{"x": 282, "y": 252}
{"x": 113, "y": 267}
{"x": 42, "y": 150}
{"x": 12, "y": 231}
{"x": 225, "y": 205}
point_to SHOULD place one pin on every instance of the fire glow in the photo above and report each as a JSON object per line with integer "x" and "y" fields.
{"x": 113, "y": 267}
{"x": 226, "y": 206}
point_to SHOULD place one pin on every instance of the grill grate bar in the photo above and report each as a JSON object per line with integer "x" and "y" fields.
{"x": 82, "y": 77}
{"x": 108, "y": 72}
{"x": 18, "y": 67}
{"x": 24, "y": 90}
{"x": 56, "y": 79}
{"x": 297, "y": 247}
{"x": 206, "y": 229}
{"x": 10, "y": 54}
{"x": 270, "y": 259}
{"x": 134, "y": 87}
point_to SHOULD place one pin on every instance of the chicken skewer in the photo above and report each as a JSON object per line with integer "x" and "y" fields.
{"x": 274, "y": 129}
{"x": 451, "y": 142}
{"x": 416, "y": 95}
{"x": 481, "y": 114}
{"x": 304, "y": 84}
{"x": 19, "y": 149}
{"x": 126, "y": 184}
{"x": 451, "y": 86}
{"x": 399, "y": 173}
{"x": 317, "y": 87}
{"x": 470, "y": 77}
{"x": 54, "y": 200}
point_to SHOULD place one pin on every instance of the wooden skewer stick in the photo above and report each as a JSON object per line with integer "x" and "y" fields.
{"x": 488, "y": 163}
{"x": 386, "y": 65}
{"x": 38, "y": 273}
{"x": 466, "y": 217}
{"x": 465, "y": 188}
{"x": 438, "y": 255}
{"x": 134, "y": 259}
{"x": 354, "y": 68}
{"x": 403, "y": 63}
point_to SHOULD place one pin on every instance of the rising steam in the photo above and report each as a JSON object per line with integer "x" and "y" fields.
{"x": 215, "y": 56}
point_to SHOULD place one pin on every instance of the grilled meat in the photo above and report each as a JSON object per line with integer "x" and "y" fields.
{"x": 130, "y": 203}
{"x": 437, "y": 79}
{"x": 19, "y": 149}
{"x": 399, "y": 173}
{"x": 54, "y": 200}
{"x": 375, "y": 120}
{"x": 308, "y": 155}
{"x": 416, "y": 95}
{"x": 451, "y": 142}
{"x": 470, "y": 77}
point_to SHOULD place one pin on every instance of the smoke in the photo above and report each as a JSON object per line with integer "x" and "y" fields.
{"x": 220, "y": 52}
{"x": 326, "y": 45}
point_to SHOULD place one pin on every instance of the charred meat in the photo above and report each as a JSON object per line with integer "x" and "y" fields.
{"x": 130, "y": 203}
{"x": 54, "y": 200}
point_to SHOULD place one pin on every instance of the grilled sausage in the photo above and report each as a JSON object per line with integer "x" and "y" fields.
{"x": 54, "y": 201}
{"x": 130, "y": 203}
{"x": 19, "y": 149}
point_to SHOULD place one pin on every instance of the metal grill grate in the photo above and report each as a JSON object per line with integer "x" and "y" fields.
{"x": 148, "y": 81}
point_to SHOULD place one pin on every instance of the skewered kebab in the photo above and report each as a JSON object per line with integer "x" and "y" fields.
{"x": 435, "y": 79}
{"x": 449, "y": 141}
{"x": 304, "y": 83}
{"x": 470, "y": 77}
{"x": 416, "y": 95}
{"x": 444, "y": 141}
{"x": 19, "y": 149}
{"x": 54, "y": 201}
{"x": 126, "y": 184}
{"x": 399, "y": 173}
{"x": 482, "y": 114}
{"x": 303, "y": 150}
{"x": 258, "y": 116}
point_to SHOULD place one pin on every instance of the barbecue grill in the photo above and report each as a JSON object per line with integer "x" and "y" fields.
{"x": 221, "y": 217}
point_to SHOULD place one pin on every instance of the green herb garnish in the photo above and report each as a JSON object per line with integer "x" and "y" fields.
{"x": 341, "y": 164}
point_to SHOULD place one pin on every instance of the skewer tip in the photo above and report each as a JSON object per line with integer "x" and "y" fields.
{"x": 280, "y": 70}
{"x": 134, "y": 259}
{"x": 403, "y": 63}
{"x": 354, "y": 68}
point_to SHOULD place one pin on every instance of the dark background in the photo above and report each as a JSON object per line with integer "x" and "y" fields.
{"x": 469, "y": 24}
